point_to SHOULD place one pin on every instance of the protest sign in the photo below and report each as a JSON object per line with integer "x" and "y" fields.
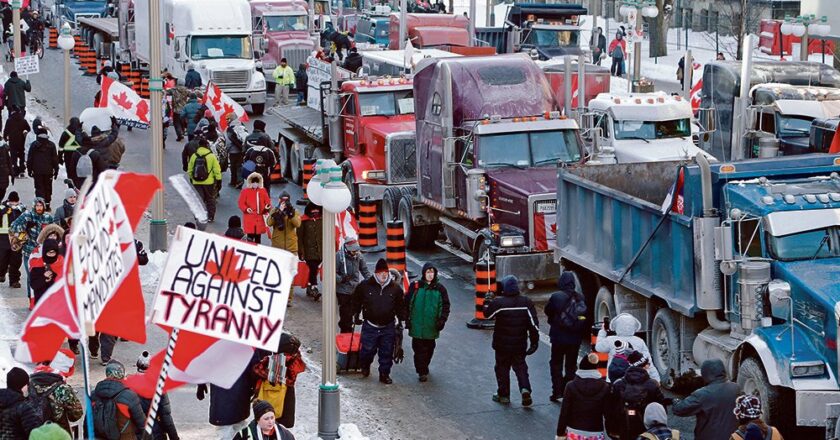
{"x": 96, "y": 252}
{"x": 225, "y": 288}
{"x": 27, "y": 65}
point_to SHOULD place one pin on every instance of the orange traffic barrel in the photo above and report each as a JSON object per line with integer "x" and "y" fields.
{"x": 276, "y": 174}
{"x": 308, "y": 174}
{"x": 367, "y": 223}
{"x": 395, "y": 245}
{"x": 485, "y": 283}
{"x": 144, "y": 87}
{"x": 53, "y": 38}
{"x": 603, "y": 358}
{"x": 134, "y": 77}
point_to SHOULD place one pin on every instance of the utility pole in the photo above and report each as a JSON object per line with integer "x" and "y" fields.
{"x": 472, "y": 22}
{"x": 16, "y": 26}
{"x": 157, "y": 229}
{"x": 403, "y": 23}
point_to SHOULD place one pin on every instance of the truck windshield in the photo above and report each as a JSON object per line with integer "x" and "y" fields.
{"x": 281, "y": 23}
{"x": 652, "y": 129}
{"x": 400, "y": 102}
{"x": 794, "y": 126}
{"x": 552, "y": 38}
{"x": 220, "y": 46}
{"x": 817, "y": 243}
{"x": 539, "y": 148}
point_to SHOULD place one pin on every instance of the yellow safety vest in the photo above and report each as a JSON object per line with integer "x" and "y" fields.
{"x": 70, "y": 144}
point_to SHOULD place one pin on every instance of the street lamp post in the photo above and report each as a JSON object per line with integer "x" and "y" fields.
{"x": 66, "y": 43}
{"x": 16, "y": 25}
{"x": 157, "y": 227}
{"x": 805, "y": 27}
{"x": 328, "y": 191}
{"x": 631, "y": 10}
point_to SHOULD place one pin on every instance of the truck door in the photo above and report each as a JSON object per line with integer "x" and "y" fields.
{"x": 464, "y": 154}
{"x": 350, "y": 123}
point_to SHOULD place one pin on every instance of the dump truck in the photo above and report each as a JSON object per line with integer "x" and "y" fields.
{"x": 489, "y": 138}
{"x": 547, "y": 30}
{"x": 737, "y": 261}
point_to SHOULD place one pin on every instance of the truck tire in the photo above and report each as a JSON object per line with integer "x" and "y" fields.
{"x": 258, "y": 109}
{"x": 777, "y": 409}
{"x": 665, "y": 346}
{"x": 416, "y": 237}
{"x": 295, "y": 172}
{"x": 604, "y": 305}
{"x": 390, "y": 204}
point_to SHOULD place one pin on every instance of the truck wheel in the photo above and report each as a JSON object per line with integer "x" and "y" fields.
{"x": 257, "y": 109}
{"x": 283, "y": 144}
{"x": 665, "y": 346}
{"x": 604, "y": 305}
{"x": 390, "y": 204}
{"x": 777, "y": 410}
{"x": 416, "y": 237}
{"x": 295, "y": 173}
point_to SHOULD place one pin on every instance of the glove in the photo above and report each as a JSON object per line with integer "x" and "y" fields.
{"x": 249, "y": 211}
{"x": 201, "y": 391}
{"x": 532, "y": 348}
{"x": 440, "y": 324}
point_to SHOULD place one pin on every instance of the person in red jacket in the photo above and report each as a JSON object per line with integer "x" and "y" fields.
{"x": 254, "y": 203}
{"x": 618, "y": 51}
{"x": 44, "y": 270}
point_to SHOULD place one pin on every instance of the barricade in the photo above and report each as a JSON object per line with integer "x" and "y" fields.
{"x": 308, "y": 173}
{"x": 485, "y": 282}
{"x": 367, "y": 223}
{"x": 53, "y": 38}
{"x": 395, "y": 245}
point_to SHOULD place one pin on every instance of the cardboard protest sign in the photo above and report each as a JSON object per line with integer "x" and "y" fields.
{"x": 225, "y": 288}
{"x": 27, "y": 65}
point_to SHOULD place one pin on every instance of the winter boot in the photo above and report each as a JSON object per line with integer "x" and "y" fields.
{"x": 386, "y": 379}
{"x": 316, "y": 294}
{"x": 501, "y": 399}
{"x": 526, "y": 397}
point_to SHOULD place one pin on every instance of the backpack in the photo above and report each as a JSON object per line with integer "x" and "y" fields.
{"x": 105, "y": 417}
{"x": 618, "y": 52}
{"x": 41, "y": 403}
{"x": 635, "y": 399}
{"x": 573, "y": 316}
{"x": 201, "y": 170}
{"x": 675, "y": 435}
{"x": 743, "y": 433}
{"x": 84, "y": 167}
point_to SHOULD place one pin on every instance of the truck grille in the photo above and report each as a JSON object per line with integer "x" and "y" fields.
{"x": 296, "y": 57}
{"x": 402, "y": 162}
{"x": 232, "y": 78}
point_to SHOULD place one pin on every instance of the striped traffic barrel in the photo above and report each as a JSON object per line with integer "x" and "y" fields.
{"x": 485, "y": 282}
{"x": 395, "y": 245}
{"x": 144, "y": 87}
{"x": 134, "y": 77}
{"x": 603, "y": 358}
{"x": 367, "y": 223}
{"x": 308, "y": 174}
{"x": 53, "y": 38}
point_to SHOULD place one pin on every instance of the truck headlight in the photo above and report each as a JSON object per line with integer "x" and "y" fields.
{"x": 373, "y": 175}
{"x": 259, "y": 84}
{"x": 512, "y": 241}
{"x": 809, "y": 368}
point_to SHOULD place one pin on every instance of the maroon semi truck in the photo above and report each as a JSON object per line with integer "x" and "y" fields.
{"x": 489, "y": 141}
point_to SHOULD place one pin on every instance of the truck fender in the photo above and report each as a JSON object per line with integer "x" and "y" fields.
{"x": 482, "y": 235}
{"x": 755, "y": 345}
{"x": 359, "y": 164}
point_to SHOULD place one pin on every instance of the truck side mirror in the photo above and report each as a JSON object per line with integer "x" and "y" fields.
{"x": 780, "y": 300}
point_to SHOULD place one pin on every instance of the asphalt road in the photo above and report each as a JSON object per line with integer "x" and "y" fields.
{"x": 454, "y": 404}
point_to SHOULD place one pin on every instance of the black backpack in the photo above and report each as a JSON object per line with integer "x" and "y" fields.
{"x": 573, "y": 315}
{"x": 635, "y": 398}
{"x": 105, "y": 417}
{"x": 41, "y": 403}
{"x": 201, "y": 170}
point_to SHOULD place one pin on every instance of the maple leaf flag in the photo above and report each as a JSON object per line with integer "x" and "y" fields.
{"x": 55, "y": 317}
{"x": 128, "y": 107}
{"x": 221, "y": 105}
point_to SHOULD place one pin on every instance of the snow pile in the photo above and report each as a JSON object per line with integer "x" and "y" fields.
{"x": 349, "y": 431}
{"x": 150, "y": 273}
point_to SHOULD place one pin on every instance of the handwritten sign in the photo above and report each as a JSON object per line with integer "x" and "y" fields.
{"x": 97, "y": 256}
{"x": 319, "y": 71}
{"x": 27, "y": 65}
{"x": 225, "y": 288}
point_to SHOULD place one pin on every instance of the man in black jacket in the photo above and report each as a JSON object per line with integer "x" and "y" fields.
{"x": 353, "y": 61}
{"x": 260, "y": 151}
{"x": 235, "y": 149}
{"x": 17, "y": 418}
{"x": 42, "y": 164}
{"x": 380, "y": 300}
{"x": 7, "y": 173}
{"x": 15, "y": 134}
{"x": 10, "y": 260}
{"x": 516, "y": 324}
{"x": 566, "y": 333}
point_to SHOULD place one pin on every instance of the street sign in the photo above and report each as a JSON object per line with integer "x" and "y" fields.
{"x": 27, "y": 65}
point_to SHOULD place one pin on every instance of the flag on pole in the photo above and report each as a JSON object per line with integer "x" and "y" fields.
{"x": 128, "y": 107}
{"x": 345, "y": 227}
{"x": 695, "y": 95}
{"x": 221, "y": 105}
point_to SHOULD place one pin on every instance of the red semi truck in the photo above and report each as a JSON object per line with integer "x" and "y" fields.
{"x": 280, "y": 30}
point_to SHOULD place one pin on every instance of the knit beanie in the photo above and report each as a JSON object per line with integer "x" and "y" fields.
{"x": 589, "y": 362}
{"x": 189, "y": 225}
{"x": 636, "y": 359}
{"x": 259, "y": 125}
{"x": 49, "y": 431}
{"x": 69, "y": 192}
{"x": 381, "y": 265}
{"x": 16, "y": 379}
{"x": 114, "y": 370}
{"x": 14, "y": 197}
{"x": 747, "y": 407}
{"x": 234, "y": 222}
{"x": 260, "y": 408}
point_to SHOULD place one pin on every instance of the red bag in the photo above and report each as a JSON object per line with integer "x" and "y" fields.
{"x": 302, "y": 275}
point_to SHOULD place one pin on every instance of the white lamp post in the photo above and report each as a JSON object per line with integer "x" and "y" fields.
{"x": 805, "y": 27}
{"x": 327, "y": 190}
{"x": 66, "y": 43}
{"x": 645, "y": 8}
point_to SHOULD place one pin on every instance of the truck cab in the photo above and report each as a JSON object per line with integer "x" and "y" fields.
{"x": 280, "y": 30}
{"x": 71, "y": 10}
{"x": 431, "y": 30}
{"x": 644, "y": 127}
{"x": 373, "y": 28}
{"x": 822, "y": 135}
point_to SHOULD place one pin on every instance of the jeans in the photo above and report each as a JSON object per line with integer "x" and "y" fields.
{"x": 107, "y": 344}
{"x": 504, "y": 362}
{"x": 617, "y": 68}
{"x": 424, "y": 349}
{"x": 563, "y": 365}
{"x": 301, "y": 97}
{"x": 377, "y": 341}
{"x": 10, "y": 262}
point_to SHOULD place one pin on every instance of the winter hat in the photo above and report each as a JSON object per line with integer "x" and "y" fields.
{"x": 747, "y": 407}
{"x": 351, "y": 245}
{"x": 510, "y": 285}
{"x": 95, "y": 131}
{"x": 381, "y": 265}
{"x": 234, "y": 222}
{"x": 259, "y": 125}
{"x": 16, "y": 379}
{"x": 260, "y": 408}
{"x": 655, "y": 415}
{"x": 636, "y": 359}
{"x": 622, "y": 346}
{"x": 114, "y": 370}
{"x": 14, "y": 197}
{"x": 618, "y": 367}
{"x": 49, "y": 431}
{"x": 69, "y": 192}
{"x": 589, "y": 362}
{"x": 143, "y": 362}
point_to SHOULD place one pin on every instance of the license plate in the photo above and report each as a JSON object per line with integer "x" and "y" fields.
{"x": 546, "y": 207}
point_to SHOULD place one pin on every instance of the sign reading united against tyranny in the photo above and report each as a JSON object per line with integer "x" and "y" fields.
{"x": 225, "y": 288}
{"x": 97, "y": 255}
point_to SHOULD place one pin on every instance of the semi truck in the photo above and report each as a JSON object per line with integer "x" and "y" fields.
{"x": 431, "y": 30}
{"x": 783, "y": 98}
{"x": 280, "y": 30}
{"x": 489, "y": 139}
{"x": 70, "y": 11}
{"x": 733, "y": 261}
{"x": 214, "y": 36}
{"x": 549, "y": 30}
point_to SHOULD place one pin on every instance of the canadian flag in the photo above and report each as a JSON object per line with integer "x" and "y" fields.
{"x": 675, "y": 201}
{"x": 128, "y": 107}
{"x": 345, "y": 227}
{"x": 221, "y": 105}
{"x": 55, "y": 316}
{"x": 696, "y": 95}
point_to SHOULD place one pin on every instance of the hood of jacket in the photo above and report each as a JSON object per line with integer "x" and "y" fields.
{"x": 255, "y": 177}
{"x": 636, "y": 375}
{"x": 426, "y": 267}
{"x": 713, "y": 371}
{"x": 566, "y": 282}
{"x": 510, "y": 286}
{"x": 16, "y": 81}
{"x": 108, "y": 388}
{"x": 49, "y": 229}
{"x": 44, "y": 379}
{"x": 591, "y": 387}
{"x": 625, "y": 325}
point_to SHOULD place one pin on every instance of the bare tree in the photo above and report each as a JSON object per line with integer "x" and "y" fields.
{"x": 731, "y": 21}
{"x": 658, "y": 28}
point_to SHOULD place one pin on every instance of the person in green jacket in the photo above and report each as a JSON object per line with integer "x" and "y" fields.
{"x": 205, "y": 176}
{"x": 428, "y": 310}
{"x": 284, "y": 79}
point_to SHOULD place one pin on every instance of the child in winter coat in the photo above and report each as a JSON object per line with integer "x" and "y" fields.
{"x": 234, "y": 229}
{"x": 625, "y": 327}
{"x": 254, "y": 203}
{"x": 632, "y": 394}
{"x": 44, "y": 270}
